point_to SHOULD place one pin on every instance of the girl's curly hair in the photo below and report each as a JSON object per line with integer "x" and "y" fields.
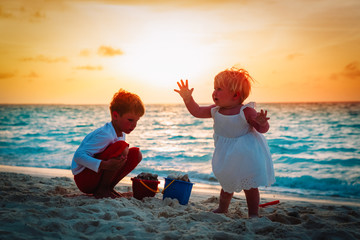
{"x": 237, "y": 80}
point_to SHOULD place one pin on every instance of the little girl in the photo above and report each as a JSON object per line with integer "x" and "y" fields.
{"x": 241, "y": 159}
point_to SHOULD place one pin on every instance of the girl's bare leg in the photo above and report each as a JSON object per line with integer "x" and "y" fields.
{"x": 224, "y": 202}
{"x": 253, "y": 200}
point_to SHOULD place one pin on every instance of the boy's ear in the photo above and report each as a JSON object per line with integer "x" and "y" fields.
{"x": 115, "y": 115}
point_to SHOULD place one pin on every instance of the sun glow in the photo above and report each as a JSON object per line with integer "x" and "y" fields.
{"x": 163, "y": 57}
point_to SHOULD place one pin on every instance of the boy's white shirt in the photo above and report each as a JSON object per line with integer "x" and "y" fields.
{"x": 95, "y": 142}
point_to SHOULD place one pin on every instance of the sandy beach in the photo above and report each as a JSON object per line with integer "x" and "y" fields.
{"x": 46, "y": 204}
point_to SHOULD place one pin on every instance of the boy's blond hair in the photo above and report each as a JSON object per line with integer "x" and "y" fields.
{"x": 235, "y": 79}
{"x": 124, "y": 102}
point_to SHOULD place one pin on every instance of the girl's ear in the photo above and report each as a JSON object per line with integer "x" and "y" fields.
{"x": 236, "y": 95}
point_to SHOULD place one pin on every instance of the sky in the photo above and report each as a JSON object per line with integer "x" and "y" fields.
{"x": 83, "y": 51}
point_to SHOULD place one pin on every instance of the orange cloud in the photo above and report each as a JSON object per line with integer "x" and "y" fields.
{"x": 109, "y": 51}
{"x": 37, "y": 16}
{"x": 42, "y": 58}
{"x": 90, "y": 68}
{"x": 20, "y": 13}
{"x": 293, "y": 56}
{"x": 351, "y": 71}
{"x": 32, "y": 75}
{"x": 4, "y": 14}
{"x": 85, "y": 53}
{"x": 6, "y": 75}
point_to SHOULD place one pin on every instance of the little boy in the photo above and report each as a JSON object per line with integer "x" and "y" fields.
{"x": 103, "y": 157}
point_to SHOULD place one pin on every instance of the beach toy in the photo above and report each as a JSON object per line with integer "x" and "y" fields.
{"x": 269, "y": 203}
{"x": 177, "y": 189}
{"x": 144, "y": 188}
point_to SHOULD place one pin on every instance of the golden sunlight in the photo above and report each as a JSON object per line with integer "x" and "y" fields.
{"x": 162, "y": 57}
{"x": 82, "y": 51}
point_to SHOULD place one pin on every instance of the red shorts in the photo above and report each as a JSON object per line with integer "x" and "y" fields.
{"x": 88, "y": 180}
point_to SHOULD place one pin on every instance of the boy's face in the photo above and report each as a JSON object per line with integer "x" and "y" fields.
{"x": 125, "y": 123}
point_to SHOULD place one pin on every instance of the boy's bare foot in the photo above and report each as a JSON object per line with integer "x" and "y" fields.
{"x": 105, "y": 194}
{"x": 125, "y": 195}
{"x": 116, "y": 193}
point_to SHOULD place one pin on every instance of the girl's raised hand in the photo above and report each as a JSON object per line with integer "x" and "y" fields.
{"x": 184, "y": 90}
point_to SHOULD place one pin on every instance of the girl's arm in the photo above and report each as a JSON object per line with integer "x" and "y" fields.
{"x": 191, "y": 105}
{"x": 258, "y": 120}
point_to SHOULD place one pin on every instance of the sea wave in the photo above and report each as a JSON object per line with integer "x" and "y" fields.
{"x": 325, "y": 186}
{"x": 315, "y": 147}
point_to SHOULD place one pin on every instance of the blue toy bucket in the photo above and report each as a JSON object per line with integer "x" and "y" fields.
{"x": 178, "y": 189}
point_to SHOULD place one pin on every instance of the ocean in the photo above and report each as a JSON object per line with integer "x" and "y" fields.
{"x": 315, "y": 146}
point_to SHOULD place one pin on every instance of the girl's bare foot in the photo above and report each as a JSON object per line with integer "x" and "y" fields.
{"x": 224, "y": 202}
{"x": 218, "y": 210}
{"x": 253, "y": 200}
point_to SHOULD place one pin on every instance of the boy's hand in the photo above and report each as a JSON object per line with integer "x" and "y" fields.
{"x": 124, "y": 154}
{"x": 113, "y": 164}
{"x": 184, "y": 90}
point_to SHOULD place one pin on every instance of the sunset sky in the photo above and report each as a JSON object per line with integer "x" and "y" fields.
{"x": 82, "y": 51}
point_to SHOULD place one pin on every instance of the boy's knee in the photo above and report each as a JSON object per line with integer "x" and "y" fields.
{"x": 135, "y": 154}
{"x": 140, "y": 156}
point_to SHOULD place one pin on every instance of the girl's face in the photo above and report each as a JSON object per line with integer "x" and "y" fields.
{"x": 223, "y": 97}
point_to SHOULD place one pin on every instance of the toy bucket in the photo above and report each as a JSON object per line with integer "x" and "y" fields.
{"x": 144, "y": 188}
{"x": 178, "y": 189}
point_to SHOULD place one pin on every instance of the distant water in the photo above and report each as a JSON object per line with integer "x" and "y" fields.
{"x": 315, "y": 146}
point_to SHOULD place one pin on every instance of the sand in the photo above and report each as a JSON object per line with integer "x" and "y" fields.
{"x": 45, "y": 204}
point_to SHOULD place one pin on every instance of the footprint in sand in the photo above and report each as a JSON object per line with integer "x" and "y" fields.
{"x": 281, "y": 218}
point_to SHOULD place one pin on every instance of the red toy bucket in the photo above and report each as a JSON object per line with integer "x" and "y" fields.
{"x": 144, "y": 188}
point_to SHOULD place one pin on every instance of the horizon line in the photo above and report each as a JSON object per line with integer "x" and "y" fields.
{"x": 173, "y": 103}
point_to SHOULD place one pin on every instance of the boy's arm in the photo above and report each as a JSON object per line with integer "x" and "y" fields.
{"x": 82, "y": 157}
{"x": 85, "y": 159}
{"x": 112, "y": 164}
{"x": 90, "y": 146}
{"x": 191, "y": 105}
{"x": 258, "y": 120}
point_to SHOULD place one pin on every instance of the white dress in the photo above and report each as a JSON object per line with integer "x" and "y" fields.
{"x": 241, "y": 159}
